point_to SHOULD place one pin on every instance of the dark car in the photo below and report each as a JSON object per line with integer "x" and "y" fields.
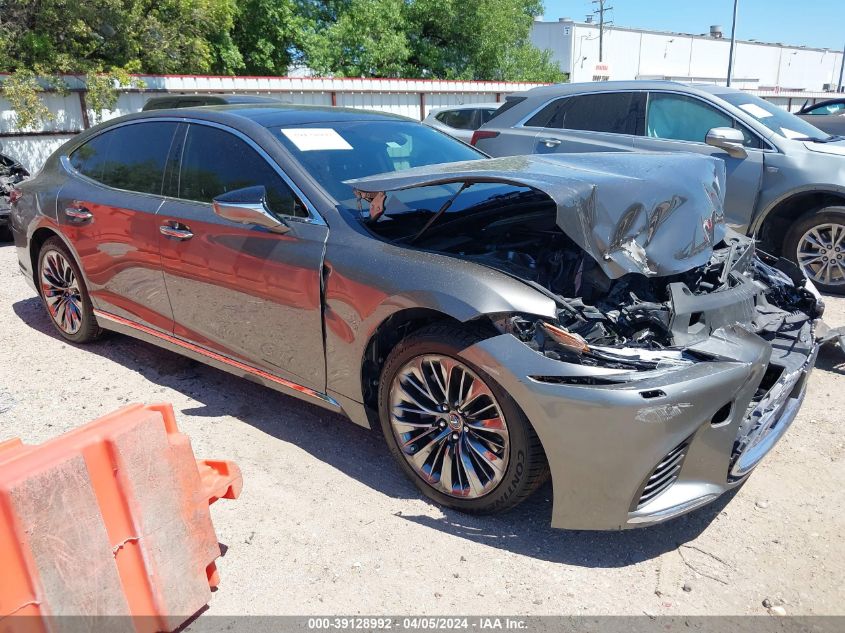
{"x": 589, "y": 317}
{"x": 193, "y": 101}
{"x": 827, "y": 115}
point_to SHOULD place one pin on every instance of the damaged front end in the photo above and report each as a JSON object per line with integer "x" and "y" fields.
{"x": 672, "y": 334}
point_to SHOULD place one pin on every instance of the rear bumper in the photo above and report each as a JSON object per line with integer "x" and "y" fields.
{"x": 608, "y": 445}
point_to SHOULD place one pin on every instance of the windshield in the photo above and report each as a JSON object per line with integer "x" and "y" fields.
{"x": 776, "y": 119}
{"x": 335, "y": 151}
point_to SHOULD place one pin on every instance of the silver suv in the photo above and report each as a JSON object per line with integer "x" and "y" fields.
{"x": 786, "y": 178}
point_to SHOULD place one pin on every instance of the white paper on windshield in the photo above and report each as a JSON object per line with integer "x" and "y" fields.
{"x": 756, "y": 111}
{"x": 315, "y": 138}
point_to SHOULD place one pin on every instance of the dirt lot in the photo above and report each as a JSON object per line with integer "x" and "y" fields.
{"x": 328, "y": 525}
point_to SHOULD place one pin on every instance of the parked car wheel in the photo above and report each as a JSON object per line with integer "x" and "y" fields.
{"x": 454, "y": 431}
{"x": 64, "y": 294}
{"x": 817, "y": 243}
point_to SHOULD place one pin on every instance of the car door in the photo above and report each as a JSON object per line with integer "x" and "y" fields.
{"x": 107, "y": 209}
{"x": 594, "y": 122}
{"x": 679, "y": 123}
{"x": 242, "y": 290}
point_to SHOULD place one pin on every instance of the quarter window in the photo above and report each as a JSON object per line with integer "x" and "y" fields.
{"x": 682, "y": 118}
{"x": 130, "y": 157}
{"x": 216, "y": 162}
{"x": 613, "y": 112}
{"x": 457, "y": 119}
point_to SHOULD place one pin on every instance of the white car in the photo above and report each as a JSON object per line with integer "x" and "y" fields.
{"x": 461, "y": 121}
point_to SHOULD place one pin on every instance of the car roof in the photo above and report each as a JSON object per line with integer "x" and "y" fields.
{"x": 635, "y": 84}
{"x": 467, "y": 106}
{"x": 826, "y": 102}
{"x": 268, "y": 115}
{"x": 215, "y": 98}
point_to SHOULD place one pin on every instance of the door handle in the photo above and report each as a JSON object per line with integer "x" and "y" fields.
{"x": 183, "y": 233}
{"x": 551, "y": 142}
{"x": 78, "y": 214}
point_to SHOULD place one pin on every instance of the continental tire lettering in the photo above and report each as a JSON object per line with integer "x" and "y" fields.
{"x": 514, "y": 483}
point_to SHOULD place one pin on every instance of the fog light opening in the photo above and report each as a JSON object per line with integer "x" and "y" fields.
{"x": 722, "y": 416}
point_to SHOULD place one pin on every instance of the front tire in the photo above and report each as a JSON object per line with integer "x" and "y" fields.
{"x": 816, "y": 242}
{"x": 453, "y": 430}
{"x": 64, "y": 294}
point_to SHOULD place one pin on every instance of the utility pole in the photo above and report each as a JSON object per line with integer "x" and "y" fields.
{"x": 841, "y": 68}
{"x": 601, "y": 11}
{"x": 733, "y": 43}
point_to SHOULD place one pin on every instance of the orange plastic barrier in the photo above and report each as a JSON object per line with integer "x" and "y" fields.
{"x": 109, "y": 519}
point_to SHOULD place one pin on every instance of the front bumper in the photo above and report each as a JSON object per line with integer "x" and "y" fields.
{"x": 611, "y": 447}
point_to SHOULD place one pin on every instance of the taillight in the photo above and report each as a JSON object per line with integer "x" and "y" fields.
{"x": 480, "y": 134}
{"x": 14, "y": 195}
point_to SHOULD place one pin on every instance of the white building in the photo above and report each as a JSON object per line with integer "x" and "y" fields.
{"x": 640, "y": 54}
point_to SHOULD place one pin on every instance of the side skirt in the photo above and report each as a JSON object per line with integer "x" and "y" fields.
{"x": 242, "y": 370}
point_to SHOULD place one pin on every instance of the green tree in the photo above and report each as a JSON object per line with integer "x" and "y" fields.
{"x": 265, "y": 33}
{"x": 104, "y": 41}
{"x": 452, "y": 39}
{"x": 157, "y": 36}
{"x": 481, "y": 39}
{"x": 361, "y": 38}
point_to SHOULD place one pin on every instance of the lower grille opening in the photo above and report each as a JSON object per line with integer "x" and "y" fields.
{"x": 664, "y": 474}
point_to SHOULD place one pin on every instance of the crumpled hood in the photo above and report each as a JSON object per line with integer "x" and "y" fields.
{"x": 654, "y": 214}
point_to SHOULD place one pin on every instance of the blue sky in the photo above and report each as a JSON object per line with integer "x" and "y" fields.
{"x": 818, "y": 23}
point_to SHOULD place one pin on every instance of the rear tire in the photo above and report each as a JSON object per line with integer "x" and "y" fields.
{"x": 64, "y": 294}
{"x": 474, "y": 448}
{"x": 816, "y": 242}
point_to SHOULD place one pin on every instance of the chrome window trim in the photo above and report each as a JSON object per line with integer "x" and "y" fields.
{"x": 314, "y": 216}
{"x": 765, "y": 145}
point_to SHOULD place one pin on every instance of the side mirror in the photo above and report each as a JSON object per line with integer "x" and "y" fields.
{"x": 248, "y": 206}
{"x": 728, "y": 139}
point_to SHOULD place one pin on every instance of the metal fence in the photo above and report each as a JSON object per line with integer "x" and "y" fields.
{"x": 408, "y": 97}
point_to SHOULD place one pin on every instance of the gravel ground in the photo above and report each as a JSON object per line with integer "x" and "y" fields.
{"x": 328, "y": 525}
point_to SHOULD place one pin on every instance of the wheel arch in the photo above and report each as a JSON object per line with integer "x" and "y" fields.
{"x": 389, "y": 333}
{"x": 37, "y": 240}
{"x": 773, "y": 225}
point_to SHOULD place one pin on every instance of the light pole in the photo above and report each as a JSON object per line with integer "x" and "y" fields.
{"x": 841, "y": 68}
{"x": 733, "y": 43}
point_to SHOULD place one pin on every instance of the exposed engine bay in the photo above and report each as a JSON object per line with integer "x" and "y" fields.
{"x": 598, "y": 316}
{"x": 640, "y": 263}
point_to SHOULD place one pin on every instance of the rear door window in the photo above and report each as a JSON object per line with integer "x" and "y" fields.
{"x": 130, "y": 157}
{"x": 612, "y": 112}
{"x": 215, "y": 161}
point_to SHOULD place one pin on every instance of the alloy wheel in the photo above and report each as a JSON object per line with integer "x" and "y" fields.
{"x": 821, "y": 254}
{"x": 449, "y": 426}
{"x": 60, "y": 288}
